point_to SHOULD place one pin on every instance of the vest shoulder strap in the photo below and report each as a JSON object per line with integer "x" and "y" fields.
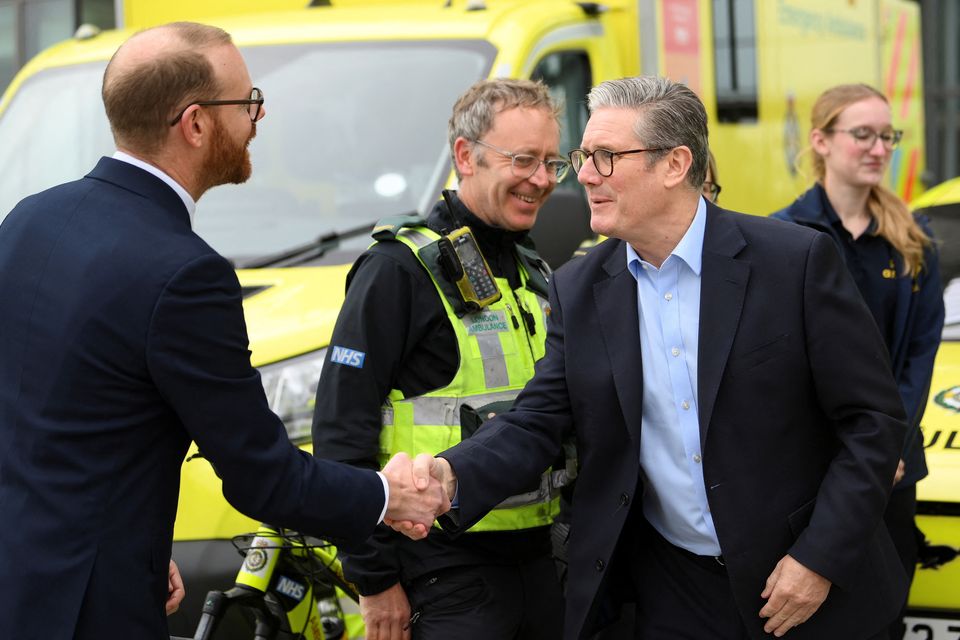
{"x": 424, "y": 243}
{"x": 388, "y": 228}
{"x": 416, "y": 233}
{"x": 430, "y": 258}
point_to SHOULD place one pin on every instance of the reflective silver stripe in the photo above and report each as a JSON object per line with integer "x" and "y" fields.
{"x": 494, "y": 363}
{"x": 523, "y": 500}
{"x": 561, "y": 38}
{"x": 550, "y": 485}
{"x": 444, "y": 410}
{"x": 562, "y": 477}
{"x": 417, "y": 238}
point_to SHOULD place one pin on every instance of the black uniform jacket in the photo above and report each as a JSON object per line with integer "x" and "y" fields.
{"x": 393, "y": 314}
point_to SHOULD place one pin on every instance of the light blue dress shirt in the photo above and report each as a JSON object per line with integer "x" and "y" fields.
{"x": 675, "y": 498}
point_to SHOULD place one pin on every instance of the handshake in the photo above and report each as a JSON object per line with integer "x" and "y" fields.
{"x": 420, "y": 491}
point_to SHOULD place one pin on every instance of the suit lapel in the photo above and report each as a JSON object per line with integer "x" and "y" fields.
{"x": 723, "y": 285}
{"x": 616, "y": 300}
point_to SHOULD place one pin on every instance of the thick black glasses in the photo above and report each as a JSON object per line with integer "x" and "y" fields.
{"x": 865, "y": 137}
{"x": 602, "y": 159}
{"x": 710, "y": 190}
{"x": 254, "y": 102}
{"x": 523, "y": 165}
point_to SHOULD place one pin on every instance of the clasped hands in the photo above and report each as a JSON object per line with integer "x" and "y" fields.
{"x": 420, "y": 491}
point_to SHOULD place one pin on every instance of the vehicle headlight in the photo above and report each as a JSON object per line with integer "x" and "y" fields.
{"x": 291, "y": 388}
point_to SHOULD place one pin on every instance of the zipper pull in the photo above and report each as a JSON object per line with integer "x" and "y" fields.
{"x": 516, "y": 323}
{"x": 528, "y": 319}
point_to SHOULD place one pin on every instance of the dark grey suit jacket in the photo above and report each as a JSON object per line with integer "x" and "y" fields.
{"x": 800, "y": 423}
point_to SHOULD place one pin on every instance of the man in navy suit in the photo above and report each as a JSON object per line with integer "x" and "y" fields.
{"x": 737, "y": 424}
{"x": 122, "y": 339}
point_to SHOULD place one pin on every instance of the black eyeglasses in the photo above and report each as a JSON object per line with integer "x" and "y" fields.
{"x": 254, "y": 103}
{"x": 865, "y": 137}
{"x": 710, "y": 190}
{"x": 523, "y": 165}
{"x": 602, "y": 159}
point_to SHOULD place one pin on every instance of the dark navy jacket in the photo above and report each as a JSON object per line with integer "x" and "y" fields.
{"x": 800, "y": 426}
{"x": 918, "y": 324}
{"x": 122, "y": 339}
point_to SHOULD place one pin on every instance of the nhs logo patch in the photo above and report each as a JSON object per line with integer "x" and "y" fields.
{"x": 291, "y": 589}
{"x": 349, "y": 357}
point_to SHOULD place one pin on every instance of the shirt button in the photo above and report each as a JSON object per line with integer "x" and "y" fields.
{"x": 668, "y": 296}
{"x": 696, "y": 458}
{"x": 675, "y": 351}
{"x": 685, "y": 405}
{"x": 600, "y": 565}
{"x": 624, "y": 499}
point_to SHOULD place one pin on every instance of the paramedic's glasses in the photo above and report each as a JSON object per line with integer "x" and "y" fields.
{"x": 254, "y": 102}
{"x": 523, "y": 166}
{"x": 602, "y": 159}
{"x": 865, "y": 137}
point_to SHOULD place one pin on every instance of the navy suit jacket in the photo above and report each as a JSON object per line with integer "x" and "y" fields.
{"x": 800, "y": 425}
{"x": 122, "y": 339}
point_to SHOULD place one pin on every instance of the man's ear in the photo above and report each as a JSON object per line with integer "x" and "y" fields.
{"x": 678, "y": 162}
{"x": 464, "y": 157}
{"x": 194, "y": 126}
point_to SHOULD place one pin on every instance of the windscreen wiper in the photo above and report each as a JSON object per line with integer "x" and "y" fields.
{"x": 306, "y": 252}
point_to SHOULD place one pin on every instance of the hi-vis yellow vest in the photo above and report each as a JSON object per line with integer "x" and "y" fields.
{"x": 496, "y": 359}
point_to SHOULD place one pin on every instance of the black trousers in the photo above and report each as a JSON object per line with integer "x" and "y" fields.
{"x": 488, "y": 602}
{"x": 899, "y": 518}
{"x": 681, "y": 596}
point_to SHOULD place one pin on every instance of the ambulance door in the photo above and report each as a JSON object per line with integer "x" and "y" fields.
{"x": 564, "y": 222}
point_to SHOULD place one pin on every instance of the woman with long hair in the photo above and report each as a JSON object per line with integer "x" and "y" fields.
{"x": 892, "y": 257}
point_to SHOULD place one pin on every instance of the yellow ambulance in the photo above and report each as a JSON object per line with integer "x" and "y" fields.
{"x": 358, "y": 93}
{"x": 935, "y": 597}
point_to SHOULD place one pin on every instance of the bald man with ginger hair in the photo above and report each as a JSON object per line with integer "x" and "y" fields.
{"x": 122, "y": 339}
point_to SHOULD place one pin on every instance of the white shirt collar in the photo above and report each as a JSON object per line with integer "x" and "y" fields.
{"x": 188, "y": 201}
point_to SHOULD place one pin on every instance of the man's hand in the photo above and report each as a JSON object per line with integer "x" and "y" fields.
{"x": 175, "y": 590}
{"x": 426, "y": 467}
{"x": 386, "y": 615}
{"x": 901, "y": 470}
{"x": 426, "y": 471}
{"x": 793, "y": 594}
{"x": 415, "y": 500}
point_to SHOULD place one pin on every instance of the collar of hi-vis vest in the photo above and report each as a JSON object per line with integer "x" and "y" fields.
{"x": 533, "y": 272}
{"x": 497, "y": 245}
{"x": 500, "y": 248}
